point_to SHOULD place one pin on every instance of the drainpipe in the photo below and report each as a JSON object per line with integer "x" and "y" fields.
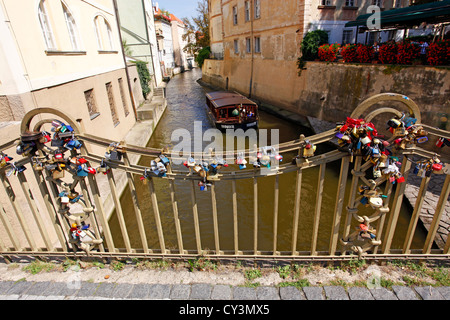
{"x": 116, "y": 12}
{"x": 251, "y": 47}
{"x": 149, "y": 43}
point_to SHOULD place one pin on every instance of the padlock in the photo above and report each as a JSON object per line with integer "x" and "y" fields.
{"x": 422, "y": 139}
{"x": 57, "y": 174}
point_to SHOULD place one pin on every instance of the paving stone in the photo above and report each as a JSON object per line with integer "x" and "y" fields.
{"x": 359, "y": 293}
{"x": 121, "y": 290}
{"x": 383, "y": 294}
{"x": 221, "y": 292}
{"x": 313, "y": 293}
{"x": 200, "y": 291}
{"x": 244, "y": 293}
{"x": 335, "y": 293}
{"x": 5, "y": 286}
{"x": 38, "y": 287}
{"x": 267, "y": 293}
{"x": 445, "y": 292}
{"x": 429, "y": 293}
{"x": 139, "y": 291}
{"x": 105, "y": 290}
{"x": 67, "y": 288}
{"x": 159, "y": 291}
{"x": 180, "y": 292}
{"x": 19, "y": 287}
{"x": 291, "y": 293}
{"x": 405, "y": 293}
{"x": 53, "y": 289}
{"x": 87, "y": 289}
{"x": 11, "y": 297}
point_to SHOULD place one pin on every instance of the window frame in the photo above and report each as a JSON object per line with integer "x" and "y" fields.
{"x": 257, "y": 44}
{"x": 46, "y": 28}
{"x": 71, "y": 28}
{"x": 235, "y": 15}
{"x": 236, "y": 46}
{"x": 247, "y": 6}
{"x": 248, "y": 45}
{"x": 257, "y": 8}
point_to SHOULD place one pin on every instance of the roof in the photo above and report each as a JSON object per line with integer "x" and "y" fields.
{"x": 224, "y": 98}
{"x": 434, "y": 12}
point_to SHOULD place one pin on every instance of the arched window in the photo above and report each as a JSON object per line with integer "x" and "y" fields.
{"x": 71, "y": 28}
{"x": 45, "y": 26}
{"x": 104, "y": 34}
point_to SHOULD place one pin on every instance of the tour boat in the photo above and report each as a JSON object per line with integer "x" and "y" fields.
{"x": 231, "y": 110}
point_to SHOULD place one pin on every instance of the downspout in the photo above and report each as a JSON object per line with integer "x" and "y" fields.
{"x": 116, "y": 12}
{"x": 149, "y": 43}
{"x": 251, "y": 47}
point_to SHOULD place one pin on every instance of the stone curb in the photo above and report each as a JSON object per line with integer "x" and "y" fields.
{"x": 48, "y": 290}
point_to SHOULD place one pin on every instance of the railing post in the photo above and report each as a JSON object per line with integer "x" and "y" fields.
{"x": 9, "y": 229}
{"x": 394, "y": 213}
{"x": 119, "y": 212}
{"x": 339, "y": 203}
{"x": 34, "y": 210}
{"x": 159, "y": 230}
{"x": 10, "y": 192}
{"x": 318, "y": 208}
{"x": 195, "y": 214}
{"x": 215, "y": 222}
{"x": 235, "y": 217}
{"x": 275, "y": 214}
{"x": 175, "y": 216}
{"x": 137, "y": 209}
{"x": 442, "y": 202}
{"x": 298, "y": 189}
{"x": 255, "y": 216}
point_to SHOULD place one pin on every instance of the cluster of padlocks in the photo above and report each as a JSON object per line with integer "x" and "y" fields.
{"x": 360, "y": 138}
{"x": 57, "y": 159}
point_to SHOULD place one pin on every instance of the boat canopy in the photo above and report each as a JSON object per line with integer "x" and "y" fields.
{"x": 222, "y": 99}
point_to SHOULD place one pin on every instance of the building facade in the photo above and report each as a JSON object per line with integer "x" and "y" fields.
{"x": 67, "y": 56}
{"x": 137, "y": 26}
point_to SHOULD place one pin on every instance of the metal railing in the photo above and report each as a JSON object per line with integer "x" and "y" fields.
{"x": 32, "y": 214}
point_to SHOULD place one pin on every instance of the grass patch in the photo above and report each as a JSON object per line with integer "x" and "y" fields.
{"x": 252, "y": 274}
{"x": 298, "y": 284}
{"x": 38, "y": 266}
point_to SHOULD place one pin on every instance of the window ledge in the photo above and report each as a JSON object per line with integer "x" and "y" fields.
{"x": 107, "y": 51}
{"x": 326, "y": 7}
{"x": 349, "y": 8}
{"x": 64, "y": 53}
{"x": 95, "y": 115}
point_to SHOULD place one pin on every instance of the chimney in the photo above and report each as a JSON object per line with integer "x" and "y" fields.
{"x": 156, "y": 7}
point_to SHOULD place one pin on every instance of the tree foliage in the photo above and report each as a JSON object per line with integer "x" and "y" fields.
{"x": 197, "y": 34}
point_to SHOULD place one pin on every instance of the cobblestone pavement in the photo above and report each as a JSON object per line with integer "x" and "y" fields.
{"x": 49, "y": 290}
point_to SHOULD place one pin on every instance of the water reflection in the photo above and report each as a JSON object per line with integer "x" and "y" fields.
{"x": 186, "y": 99}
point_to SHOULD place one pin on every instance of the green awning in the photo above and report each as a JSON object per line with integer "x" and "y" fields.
{"x": 434, "y": 12}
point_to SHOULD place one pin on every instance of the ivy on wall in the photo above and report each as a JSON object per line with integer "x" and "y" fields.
{"x": 144, "y": 77}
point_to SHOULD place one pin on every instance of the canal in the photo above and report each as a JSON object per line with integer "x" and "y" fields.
{"x": 186, "y": 99}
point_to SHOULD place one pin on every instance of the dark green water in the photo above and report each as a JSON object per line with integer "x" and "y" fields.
{"x": 185, "y": 105}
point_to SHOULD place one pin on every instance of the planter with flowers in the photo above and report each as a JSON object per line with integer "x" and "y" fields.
{"x": 364, "y": 53}
{"x": 349, "y": 53}
{"x": 388, "y": 53}
{"x": 438, "y": 53}
{"x": 328, "y": 52}
{"x": 407, "y": 52}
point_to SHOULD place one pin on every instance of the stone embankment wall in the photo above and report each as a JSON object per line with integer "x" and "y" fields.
{"x": 331, "y": 91}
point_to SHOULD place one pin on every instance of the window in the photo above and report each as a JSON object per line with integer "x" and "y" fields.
{"x": 326, "y": 2}
{"x": 122, "y": 96}
{"x": 112, "y": 104}
{"x": 90, "y": 102}
{"x": 257, "y": 44}
{"x": 257, "y": 9}
{"x": 236, "y": 46}
{"x": 377, "y": 3}
{"x": 248, "y": 45}
{"x": 347, "y": 36}
{"x": 397, "y": 3}
{"x": 72, "y": 29}
{"x": 349, "y": 3}
{"x": 247, "y": 10}
{"x": 45, "y": 26}
{"x": 235, "y": 15}
{"x": 103, "y": 33}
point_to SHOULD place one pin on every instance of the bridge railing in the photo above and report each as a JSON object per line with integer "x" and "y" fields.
{"x": 57, "y": 206}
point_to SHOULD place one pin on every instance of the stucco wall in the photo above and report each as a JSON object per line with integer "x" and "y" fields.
{"x": 332, "y": 91}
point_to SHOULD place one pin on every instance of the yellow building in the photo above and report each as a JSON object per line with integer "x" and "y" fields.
{"x": 66, "y": 54}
